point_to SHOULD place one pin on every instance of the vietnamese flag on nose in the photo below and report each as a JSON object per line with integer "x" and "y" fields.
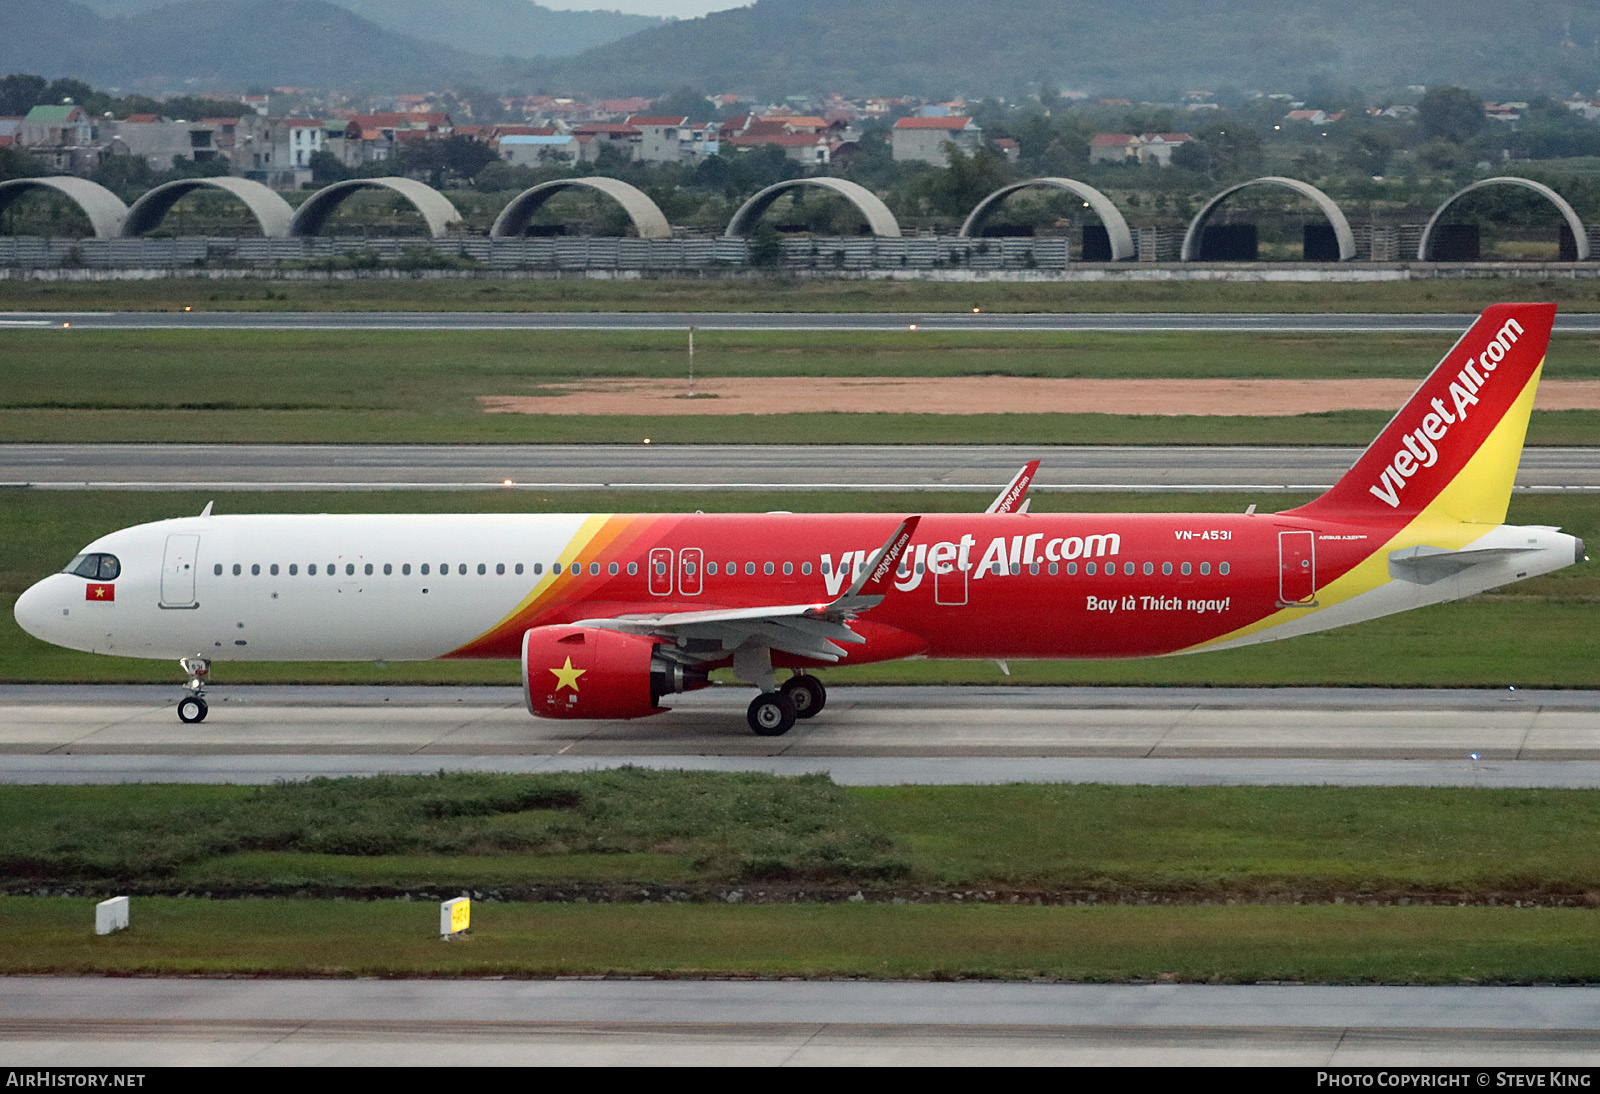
{"x": 99, "y": 592}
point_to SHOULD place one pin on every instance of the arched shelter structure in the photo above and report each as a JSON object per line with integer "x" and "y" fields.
{"x": 648, "y": 219}
{"x": 272, "y": 213}
{"x": 1336, "y": 218}
{"x": 879, "y": 219}
{"x": 1111, "y": 218}
{"x": 435, "y": 208}
{"x": 1580, "y": 237}
{"x": 103, "y": 208}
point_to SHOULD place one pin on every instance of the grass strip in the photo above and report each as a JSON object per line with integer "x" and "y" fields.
{"x": 767, "y": 293}
{"x": 777, "y": 838}
{"x": 1244, "y": 944}
{"x": 422, "y": 386}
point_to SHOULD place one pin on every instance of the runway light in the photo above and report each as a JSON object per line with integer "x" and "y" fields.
{"x": 647, "y": 440}
{"x": 913, "y": 326}
{"x": 507, "y": 483}
{"x": 974, "y": 311}
{"x": 64, "y": 326}
{"x": 187, "y": 308}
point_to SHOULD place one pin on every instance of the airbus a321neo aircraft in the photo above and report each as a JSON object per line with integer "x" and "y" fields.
{"x": 609, "y": 613}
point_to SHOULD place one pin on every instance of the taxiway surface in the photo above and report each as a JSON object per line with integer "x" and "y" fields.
{"x": 1274, "y": 469}
{"x": 93, "y": 1022}
{"x": 866, "y": 735}
{"x": 975, "y": 322}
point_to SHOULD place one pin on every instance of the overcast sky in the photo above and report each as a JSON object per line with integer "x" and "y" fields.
{"x": 683, "y": 9}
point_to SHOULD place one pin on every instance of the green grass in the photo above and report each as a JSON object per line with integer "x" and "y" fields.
{"x": 1537, "y": 633}
{"x": 1245, "y": 944}
{"x": 775, "y": 294}
{"x": 711, "y": 831}
{"x": 1211, "y": 884}
{"x": 1095, "y": 883}
{"x": 628, "y": 823}
{"x": 423, "y": 386}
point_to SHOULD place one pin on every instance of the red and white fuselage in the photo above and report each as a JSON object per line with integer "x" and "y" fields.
{"x": 648, "y": 603}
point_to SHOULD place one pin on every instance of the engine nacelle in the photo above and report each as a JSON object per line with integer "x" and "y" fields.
{"x": 587, "y": 672}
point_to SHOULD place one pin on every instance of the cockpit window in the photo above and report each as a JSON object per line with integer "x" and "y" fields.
{"x": 95, "y": 567}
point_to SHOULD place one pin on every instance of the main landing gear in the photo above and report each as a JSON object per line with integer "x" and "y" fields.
{"x": 773, "y": 713}
{"x": 192, "y": 707}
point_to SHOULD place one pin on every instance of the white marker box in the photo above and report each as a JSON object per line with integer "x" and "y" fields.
{"x": 455, "y": 916}
{"x": 111, "y": 915}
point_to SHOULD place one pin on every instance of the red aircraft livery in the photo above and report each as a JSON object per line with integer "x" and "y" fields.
{"x": 610, "y": 613}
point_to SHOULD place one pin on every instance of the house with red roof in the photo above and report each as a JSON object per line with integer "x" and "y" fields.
{"x": 662, "y": 138}
{"x": 923, "y": 140}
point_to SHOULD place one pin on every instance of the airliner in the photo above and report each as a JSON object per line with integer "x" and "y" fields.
{"x": 611, "y": 613}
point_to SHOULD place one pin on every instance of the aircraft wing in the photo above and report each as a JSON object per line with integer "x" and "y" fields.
{"x": 805, "y": 630}
{"x": 1013, "y": 499}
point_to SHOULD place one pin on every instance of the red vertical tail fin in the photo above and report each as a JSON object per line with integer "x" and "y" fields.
{"x": 1452, "y": 451}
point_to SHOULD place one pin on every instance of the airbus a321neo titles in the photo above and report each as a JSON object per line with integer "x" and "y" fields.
{"x": 610, "y": 613}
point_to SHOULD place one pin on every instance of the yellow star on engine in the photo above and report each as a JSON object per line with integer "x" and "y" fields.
{"x": 567, "y": 676}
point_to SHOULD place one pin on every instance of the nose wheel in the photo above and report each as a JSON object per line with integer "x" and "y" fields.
{"x": 192, "y": 707}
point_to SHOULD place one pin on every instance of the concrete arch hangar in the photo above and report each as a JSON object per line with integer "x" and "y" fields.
{"x": 1111, "y": 217}
{"x": 1336, "y": 219}
{"x": 1580, "y": 237}
{"x": 647, "y": 218}
{"x": 435, "y": 208}
{"x": 103, "y": 208}
{"x": 272, "y": 213}
{"x": 879, "y": 219}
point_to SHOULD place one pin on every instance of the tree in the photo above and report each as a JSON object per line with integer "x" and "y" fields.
{"x": 1369, "y": 151}
{"x": 21, "y": 92}
{"x": 327, "y": 168}
{"x": 686, "y": 102}
{"x": 1450, "y": 113}
{"x": 1222, "y": 150}
{"x": 967, "y": 181}
{"x": 124, "y": 174}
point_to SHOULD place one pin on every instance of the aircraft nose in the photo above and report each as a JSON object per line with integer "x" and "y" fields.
{"x": 37, "y": 608}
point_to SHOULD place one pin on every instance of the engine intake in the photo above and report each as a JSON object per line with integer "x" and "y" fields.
{"x": 586, "y": 672}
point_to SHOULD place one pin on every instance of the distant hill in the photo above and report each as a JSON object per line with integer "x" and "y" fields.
{"x": 197, "y": 45}
{"x": 934, "y": 48}
{"x": 1140, "y": 47}
{"x": 495, "y": 28}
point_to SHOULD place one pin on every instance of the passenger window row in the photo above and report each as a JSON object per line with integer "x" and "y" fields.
{"x": 105, "y": 566}
{"x": 1090, "y": 569}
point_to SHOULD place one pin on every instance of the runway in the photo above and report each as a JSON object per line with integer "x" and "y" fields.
{"x": 866, "y": 736}
{"x": 974, "y": 322}
{"x": 228, "y": 467}
{"x": 94, "y": 1022}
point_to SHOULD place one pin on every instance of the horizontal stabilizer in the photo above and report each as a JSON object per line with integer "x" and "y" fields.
{"x": 1425, "y": 565}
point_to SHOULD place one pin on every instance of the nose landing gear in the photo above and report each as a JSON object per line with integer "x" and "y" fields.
{"x": 192, "y": 707}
